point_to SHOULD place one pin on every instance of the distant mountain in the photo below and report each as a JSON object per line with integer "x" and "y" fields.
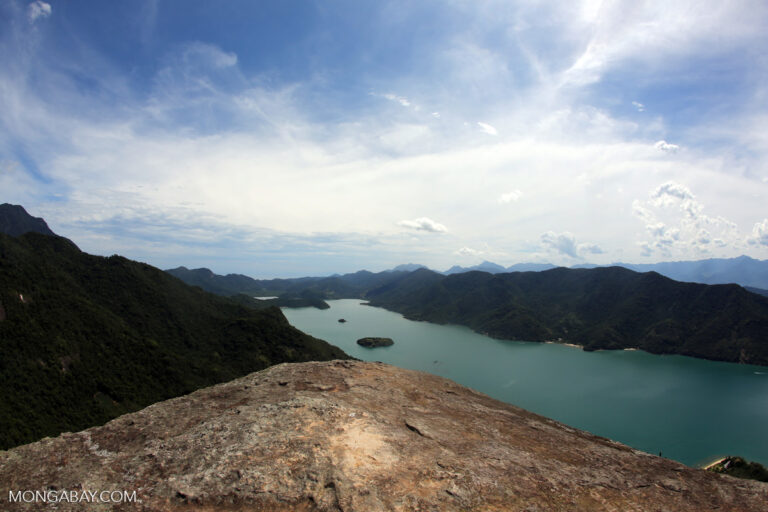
{"x": 530, "y": 267}
{"x": 408, "y": 267}
{"x": 494, "y": 268}
{"x": 602, "y": 308}
{"x": 298, "y": 292}
{"x": 758, "y": 291}
{"x": 85, "y": 338}
{"x": 743, "y": 270}
{"x": 15, "y": 221}
{"x": 486, "y": 266}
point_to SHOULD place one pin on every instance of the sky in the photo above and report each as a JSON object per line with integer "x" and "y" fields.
{"x": 313, "y": 137}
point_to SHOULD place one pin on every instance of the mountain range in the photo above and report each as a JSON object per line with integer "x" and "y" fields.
{"x": 597, "y": 308}
{"x": 743, "y": 270}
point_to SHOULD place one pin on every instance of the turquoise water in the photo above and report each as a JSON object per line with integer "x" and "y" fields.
{"x": 689, "y": 409}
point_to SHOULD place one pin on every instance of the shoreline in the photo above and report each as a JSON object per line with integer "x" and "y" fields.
{"x": 555, "y": 342}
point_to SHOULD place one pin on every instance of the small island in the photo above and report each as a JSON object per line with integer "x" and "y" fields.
{"x": 375, "y": 342}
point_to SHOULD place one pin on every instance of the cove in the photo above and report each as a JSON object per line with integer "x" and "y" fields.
{"x": 690, "y": 410}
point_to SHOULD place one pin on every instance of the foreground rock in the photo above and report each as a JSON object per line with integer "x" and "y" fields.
{"x": 375, "y": 342}
{"x": 354, "y": 436}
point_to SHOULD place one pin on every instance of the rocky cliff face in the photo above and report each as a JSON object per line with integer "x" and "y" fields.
{"x": 353, "y": 436}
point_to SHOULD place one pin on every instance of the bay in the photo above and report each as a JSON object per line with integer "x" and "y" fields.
{"x": 687, "y": 409}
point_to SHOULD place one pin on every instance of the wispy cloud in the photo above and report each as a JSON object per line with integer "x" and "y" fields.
{"x": 486, "y": 128}
{"x": 38, "y": 9}
{"x": 403, "y": 101}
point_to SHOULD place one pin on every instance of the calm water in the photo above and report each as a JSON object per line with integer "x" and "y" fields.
{"x": 691, "y": 410}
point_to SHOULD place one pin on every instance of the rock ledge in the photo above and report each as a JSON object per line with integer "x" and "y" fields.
{"x": 354, "y": 436}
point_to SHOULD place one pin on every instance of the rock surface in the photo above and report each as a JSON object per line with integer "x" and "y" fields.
{"x": 355, "y": 436}
{"x": 375, "y": 342}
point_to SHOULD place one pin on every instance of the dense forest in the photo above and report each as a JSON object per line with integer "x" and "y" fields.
{"x": 85, "y": 338}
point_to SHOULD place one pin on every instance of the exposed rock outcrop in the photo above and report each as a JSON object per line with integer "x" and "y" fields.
{"x": 354, "y": 436}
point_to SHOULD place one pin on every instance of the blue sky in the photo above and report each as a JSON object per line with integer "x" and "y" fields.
{"x": 297, "y": 137}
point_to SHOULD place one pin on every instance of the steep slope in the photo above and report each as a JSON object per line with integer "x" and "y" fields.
{"x": 360, "y": 437}
{"x": 602, "y": 308}
{"x": 84, "y": 338}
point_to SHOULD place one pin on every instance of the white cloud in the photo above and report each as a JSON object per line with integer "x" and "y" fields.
{"x": 38, "y": 9}
{"x": 676, "y": 223}
{"x": 666, "y": 146}
{"x": 639, "y": 106}
{"x": 656, "y": 229}
{"x": 641, "y": 32}
{"x": 423, "y": 224}
{"x": 398, "y": 99}
{"x": 486, "y": 128}
{"x": 565, "y": 243}
{"x": 468, "y": 251}
{"x": 510, "y": 196}
{"x": 760, "y": 233}
{"x": 669, "y": 191}
{"x": 436, "y": 115}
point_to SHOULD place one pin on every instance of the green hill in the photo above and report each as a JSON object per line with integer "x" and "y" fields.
{"x": 601, "y": 308}
{"x": 85, "y": 338}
